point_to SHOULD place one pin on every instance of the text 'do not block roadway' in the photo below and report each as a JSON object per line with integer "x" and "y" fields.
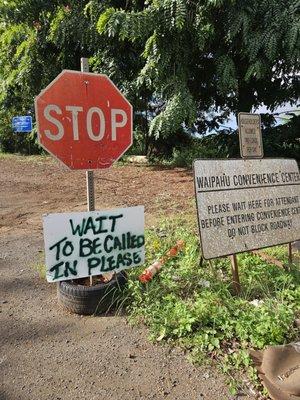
{"x": 246, "y": 204}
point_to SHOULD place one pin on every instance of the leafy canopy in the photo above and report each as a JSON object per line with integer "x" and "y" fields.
{"x": 211, "y": 54}
{"x": 177, "y": 61}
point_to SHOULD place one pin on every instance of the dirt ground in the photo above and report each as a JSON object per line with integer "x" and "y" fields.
{"x": 47, "y": 353}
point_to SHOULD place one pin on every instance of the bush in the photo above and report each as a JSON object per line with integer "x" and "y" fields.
{"x": 221, "y": 145}
{"x": 278, "y": 141}
{"x": 17, "y": 142}
{"x": 184, "y": 157}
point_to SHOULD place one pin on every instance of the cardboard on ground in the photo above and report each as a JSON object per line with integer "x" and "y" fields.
{"x": 250, "y": 135}
{"x": 246, "y": 204}
{"x": 84, "y": 244}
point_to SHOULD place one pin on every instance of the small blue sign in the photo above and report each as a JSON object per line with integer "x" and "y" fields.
{"x": 22, "y": 124}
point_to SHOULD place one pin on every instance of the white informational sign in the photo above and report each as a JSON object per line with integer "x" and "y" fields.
{"x": 246, "y": 204}
{"x": 82, "y": 244}
{"x": 251, "y": 145}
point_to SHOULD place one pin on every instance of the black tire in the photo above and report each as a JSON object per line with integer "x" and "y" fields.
{"x": 88, "y": 300}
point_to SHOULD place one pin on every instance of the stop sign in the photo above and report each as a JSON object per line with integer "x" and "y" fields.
{"x": 83, "y": 120}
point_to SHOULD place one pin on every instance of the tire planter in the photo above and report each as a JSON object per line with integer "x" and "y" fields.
{"x": 88, "y": 300}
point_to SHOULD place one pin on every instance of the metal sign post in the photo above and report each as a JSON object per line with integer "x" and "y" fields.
{"x": 290, "y": 253}
{"x": 90, "y": 192}
{"x": 90, "y": 188}
{"x": 251, "y": 146}
{"x": 235, "y": 274}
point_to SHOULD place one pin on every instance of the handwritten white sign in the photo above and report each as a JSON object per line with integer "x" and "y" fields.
{"x": 246, "y": 204}
{"x": 83, "y": 244}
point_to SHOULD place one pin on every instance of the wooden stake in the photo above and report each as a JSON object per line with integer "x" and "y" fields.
{"x": 268, "y": 258}
{"x": 290, "y": 253}
{"x": 235, "y": 274}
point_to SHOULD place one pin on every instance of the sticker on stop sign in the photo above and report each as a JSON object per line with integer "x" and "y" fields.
{"x": 84, "y": 120}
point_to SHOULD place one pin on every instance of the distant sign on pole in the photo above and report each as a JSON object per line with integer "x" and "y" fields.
{"x": 84, "y": 244}
{"x": 246, "y": 204}
{"x": 251, "y": 145}
{"x": 22, "y": 123}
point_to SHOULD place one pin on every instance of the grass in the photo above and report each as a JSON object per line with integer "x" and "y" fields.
{"x": 40, "y": 267}
{"x": 193, "y": 305}
{"x": 36, "y": 158}
{"x": 25, "y": 158}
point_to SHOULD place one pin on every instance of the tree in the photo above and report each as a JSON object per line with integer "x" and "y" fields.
{"x": 28, "y": 61}
{"x": 183, "y": 64}
{"x": 40, "y": 38}
{"x": 227, "y": 55}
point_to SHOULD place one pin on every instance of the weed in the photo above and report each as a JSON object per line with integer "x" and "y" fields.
{"x": 193, "y": 304}
{"x": 40, "y": 267}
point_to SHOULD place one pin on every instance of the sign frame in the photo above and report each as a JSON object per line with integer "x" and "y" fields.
{"x": 258, "y": 136}
{"x": 197, "y": 208}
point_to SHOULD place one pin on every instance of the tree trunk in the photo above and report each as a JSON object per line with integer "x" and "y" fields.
{"x": 245, "y": 99}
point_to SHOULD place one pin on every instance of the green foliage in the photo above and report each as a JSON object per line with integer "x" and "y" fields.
{"x": 278, "y": 141}
{"x": 126, "y": 25}
{"x": 39, "y": 39}
{"x": 23, "y": 143}
{"x": 198, "y": 148}
{"x": 283, "y": 140}
{"x": 219, "y": 145}
{"x": 180, "y": 108}
{"x": 173, "y": 59}
{"x": 103, "y": 20}
{"x": 211, "y": 53}
{"x": 227, "y": 74}
{"x": 193, "y": 305}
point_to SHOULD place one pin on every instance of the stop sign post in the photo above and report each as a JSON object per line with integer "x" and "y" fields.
{"x": 84, "y": 120}
{"x": 90, "y": 189}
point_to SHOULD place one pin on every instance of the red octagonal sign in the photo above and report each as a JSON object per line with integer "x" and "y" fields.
{"x": 83, "y": 120}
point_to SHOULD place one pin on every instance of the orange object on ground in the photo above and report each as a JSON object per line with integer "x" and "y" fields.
{"x": 149, "y": 272}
